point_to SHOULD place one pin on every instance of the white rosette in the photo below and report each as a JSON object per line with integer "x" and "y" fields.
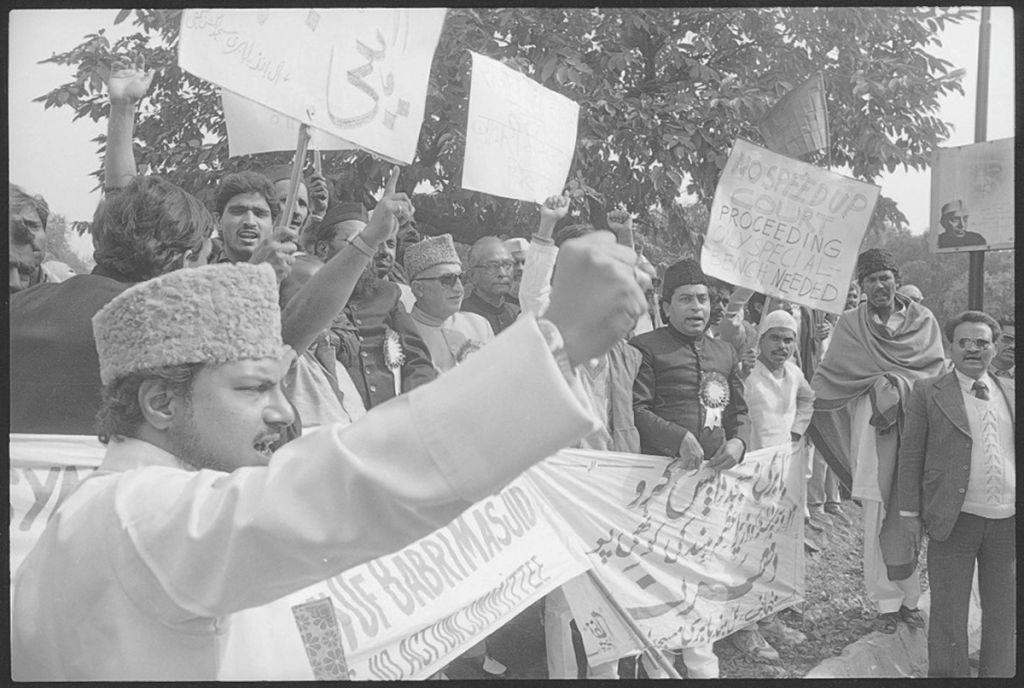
{"x": 394, "y": 357}
{"x": 714, "y": 397}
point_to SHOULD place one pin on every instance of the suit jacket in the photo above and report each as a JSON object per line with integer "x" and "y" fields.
{"x": 55, "y": 371}
{"x": 935, "y": 451}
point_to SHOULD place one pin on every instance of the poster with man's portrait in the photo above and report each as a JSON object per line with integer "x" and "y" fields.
{"x": 972, "y": 197}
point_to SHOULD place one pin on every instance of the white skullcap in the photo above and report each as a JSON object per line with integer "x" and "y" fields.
{"x": 777, "y": 318}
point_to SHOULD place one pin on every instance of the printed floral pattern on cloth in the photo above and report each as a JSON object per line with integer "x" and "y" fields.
{"x": 321, "y": 637}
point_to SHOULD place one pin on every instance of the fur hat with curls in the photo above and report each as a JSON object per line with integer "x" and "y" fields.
{"x": 210, "y": 314}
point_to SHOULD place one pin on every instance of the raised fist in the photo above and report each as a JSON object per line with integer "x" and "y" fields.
{"x": 129, "y": 82}
{"x": 596, "y": 295}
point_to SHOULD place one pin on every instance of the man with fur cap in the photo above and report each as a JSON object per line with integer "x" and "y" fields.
{"x": 878, "y": 350}
{"x": 435, "y": 273}
{"x": 191, "y": 518}
{"x": 688, "y": 397}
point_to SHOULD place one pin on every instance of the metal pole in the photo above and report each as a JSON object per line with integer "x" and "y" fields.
{"x": 976, "y": 264}
{"x": 653, "y": 652}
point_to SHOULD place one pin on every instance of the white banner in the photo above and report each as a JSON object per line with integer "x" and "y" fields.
{"x": 406, "y": 615}
{"x": 253, "y": 128}
{"x": 359, "y": 74}
{"x": 520, "y": 136}
{"x": 786, "y": 228}
{"x": 694, "y": 555}
{"x": 45, "y": 469}
{"x": 972, "y": 197}
{"x": 402, "y": 616}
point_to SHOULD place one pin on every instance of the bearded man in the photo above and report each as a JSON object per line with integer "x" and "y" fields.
{"x": 878, "y": 350}
{"x": 377, "y": 342}
{"x": 191, "y": 519}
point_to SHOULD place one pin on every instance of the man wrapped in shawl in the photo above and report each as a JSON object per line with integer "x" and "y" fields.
{"x": 878, "y": 350}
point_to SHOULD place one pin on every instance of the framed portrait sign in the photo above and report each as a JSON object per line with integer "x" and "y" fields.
{"x": 972, "y": 197}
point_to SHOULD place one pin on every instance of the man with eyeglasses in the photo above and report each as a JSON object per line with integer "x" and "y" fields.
{"x": 957, "y": 478}
{"x": 878, "y": 350}
{"x": 1004, "y": 362}
{"x": 435, "y": 274}
{"x": 491, "y": 270}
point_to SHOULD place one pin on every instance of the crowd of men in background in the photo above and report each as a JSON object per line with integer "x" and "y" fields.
{"x": 914, "y": 424}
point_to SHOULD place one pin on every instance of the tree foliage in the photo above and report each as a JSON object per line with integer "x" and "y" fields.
{"x": 58, "y": 248}
{"x": 663, "y": 93}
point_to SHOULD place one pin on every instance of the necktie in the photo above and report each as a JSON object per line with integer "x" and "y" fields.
{"x": 980, "y": 390}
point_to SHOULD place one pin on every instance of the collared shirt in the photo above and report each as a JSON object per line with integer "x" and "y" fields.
{"x": 778, "y": 403}
{"x": 895, "y": 320}
{"x": 991, "y": 486}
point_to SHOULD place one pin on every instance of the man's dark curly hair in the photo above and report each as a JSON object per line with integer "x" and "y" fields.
{"x": 246, "y": 182}
{"x": 145, "y": 230}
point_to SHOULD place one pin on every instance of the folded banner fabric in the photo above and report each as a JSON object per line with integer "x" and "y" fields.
{"x": 798, "y": 124}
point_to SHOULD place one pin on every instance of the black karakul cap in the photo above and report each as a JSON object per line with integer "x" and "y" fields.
{"x": 686, "y": 271}
{"x": 874, "y": 260}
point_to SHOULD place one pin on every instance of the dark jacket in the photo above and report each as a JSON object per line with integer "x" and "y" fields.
{"x": 935, "y": 451}
{"x": 666, "y": 392}
{"x": 500, "y": 317}
{"x": 55, "y": 371}
{"x": 365, "y": 321}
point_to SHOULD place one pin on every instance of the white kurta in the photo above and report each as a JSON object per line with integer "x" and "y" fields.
{"x": 138, "y": 574}
{"x": 451, "y": 340}
{"x": 777, "y": 405}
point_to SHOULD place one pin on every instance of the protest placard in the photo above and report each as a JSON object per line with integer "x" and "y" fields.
{"x": 972, "y": 197}
{"x": 254, "y": 128}
{"x": 358, "y": 74}
{"x": 520, "y": 136}
{"x": 691, "y": 555}
{"x": 786, "y": 228}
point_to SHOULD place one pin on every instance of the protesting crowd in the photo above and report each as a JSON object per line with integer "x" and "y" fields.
{"x": 288, "y": 385}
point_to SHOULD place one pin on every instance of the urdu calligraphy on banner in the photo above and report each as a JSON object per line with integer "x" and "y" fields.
{"x": 691, "y": 555}
{"x": 358, "y": 74}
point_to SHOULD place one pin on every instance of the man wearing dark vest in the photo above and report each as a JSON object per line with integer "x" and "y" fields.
{"x": 491, "y": 268}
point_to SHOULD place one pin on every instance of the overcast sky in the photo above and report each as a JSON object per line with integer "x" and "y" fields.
{"x": 51, "y": 155}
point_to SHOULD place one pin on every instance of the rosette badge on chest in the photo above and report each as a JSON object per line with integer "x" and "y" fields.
{"x": 714, "y": 397}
